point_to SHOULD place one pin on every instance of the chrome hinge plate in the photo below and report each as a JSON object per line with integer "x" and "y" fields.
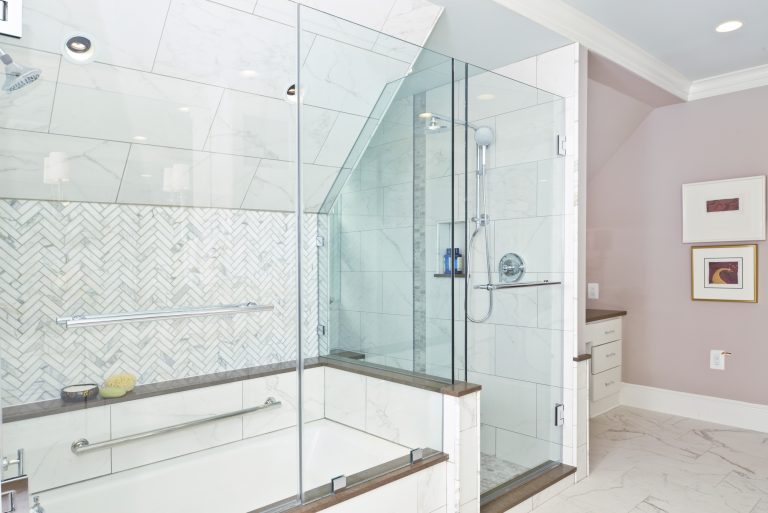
{"x": 320, "y": 330}
{"x": 561, "y": 150}
{"x": 320, "y": 241}
{"x": 338, "y": 483}
{"x": 417, "y": 454}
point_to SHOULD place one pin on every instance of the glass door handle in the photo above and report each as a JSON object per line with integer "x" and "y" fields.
{"x": 11, "y": 494}
{"x": 7, "y": 462}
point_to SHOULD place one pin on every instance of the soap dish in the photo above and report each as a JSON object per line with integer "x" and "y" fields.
{"x": 80, "y": 392}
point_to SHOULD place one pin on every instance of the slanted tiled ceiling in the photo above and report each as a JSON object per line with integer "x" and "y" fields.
{"x": 184, "y": 103}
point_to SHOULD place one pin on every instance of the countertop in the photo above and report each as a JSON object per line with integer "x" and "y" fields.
{"x": 601, "y": 315}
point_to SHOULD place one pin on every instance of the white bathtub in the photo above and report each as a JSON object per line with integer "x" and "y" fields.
{"x": 235, "y": 478}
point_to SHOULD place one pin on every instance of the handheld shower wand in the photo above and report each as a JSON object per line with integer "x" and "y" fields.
{"x": 483, "y": 139}
{"x": 16, "y": 75}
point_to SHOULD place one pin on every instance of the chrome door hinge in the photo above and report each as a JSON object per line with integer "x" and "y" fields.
{"x": 320, "y": 241}
{"x": 559, "y": 415}
{"x": 417, "y": 455}
{"x": 10, "y": 18}
{"x": 338, "y": 483}
{"x": 561, "y": 145}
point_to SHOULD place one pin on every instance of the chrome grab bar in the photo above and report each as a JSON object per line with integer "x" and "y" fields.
{"x": 78, "y": 321}
{"x": 516, "y": 285}
{"x": 83, "y": 445}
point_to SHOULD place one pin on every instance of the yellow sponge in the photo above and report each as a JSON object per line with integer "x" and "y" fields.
{"x": 123, "y": 380}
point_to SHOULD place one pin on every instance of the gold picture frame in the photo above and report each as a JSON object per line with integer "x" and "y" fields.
{"x": 724, "y": 273}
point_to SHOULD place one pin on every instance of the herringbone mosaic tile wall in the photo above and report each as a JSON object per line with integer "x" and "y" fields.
{"x": 67, "y": 258}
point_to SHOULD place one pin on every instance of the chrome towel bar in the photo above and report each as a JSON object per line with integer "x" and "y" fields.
{"x": 516, "y": 285}
{"x": 83, "y": 445}
{"x": 79, "y": 321}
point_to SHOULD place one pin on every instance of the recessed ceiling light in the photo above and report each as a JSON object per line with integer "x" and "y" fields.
{"x": 248, "y": 73}
{"x": 183, "y": 109}
{"x": 139, "y": 138}
{"x": 79, "y": 44}
{"x": 425, "y": 115}
{"x": 485, "y": 96}
{"x": 729, "y": 26}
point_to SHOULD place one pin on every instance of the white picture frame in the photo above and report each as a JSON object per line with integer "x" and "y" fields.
{"x": 724, "y": 210}
{"x": 724, "y": 273}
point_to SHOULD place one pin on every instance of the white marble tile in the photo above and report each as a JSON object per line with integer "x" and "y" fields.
{"x": 388, "y": 249}
{"x": 91, "y": 169}
{"x": 431, "y": 486}
{"x": 539, "y": 241}
{"x": 48, "y": 460}
{"x": 529, "y": 354}
{"x": 350, "y": 332}
{"x": 387, "y": 335}
{"x": 408, "y": 21}
{"x": 472, "y": 506}
{"x": 487, "y": 439}
{"x": 468, "y": 409}
{"x": 336, "y": 20}
{"x": 339, "y": 139}
{"x": 30, "y": 108}
{"x": 397, "y": 293}
{"x": 514, "y": 191}
{"x": 551, "y": 189}
{"x": 397, "y": 205}
{"x": 409, "y": 416}
{"x": 361, "y": 210}
{"x": 241, "y": 5}
{"x": 469, "y": 464}
{"x": 482, "y": 348}
{"x": 274, "y": 186}
{"x": 361, "y": 291}
{"x": 552, "y": 311}
{"x": 350, "y": 252}
{"x": 554, "y": 490}
{"x": 108, "y": 102}
{"x": 555, "y": 71}
{"x": 346, "y": 78}
{"x": 283, "y": 11}
{"x": 213, "y": 44}
{"x": 165, "y": 176}
{"x": 133, "y": 417}
{"x": 400, "y": 495}
{"x": 507, "y": 403}
{"x": 511, "y": 307}
{"x": 529, "y": 134}
{"x": 491, "y": 94}
{"x": 257, "y": 126}
{"x": 524, "y": 450}
{"x": 282, "y": 387}
{"x": 113, "y": 28}
{"x": 345, "y": 397}
{"x": 386, "y": 164}
{"x": 523, "y": 71}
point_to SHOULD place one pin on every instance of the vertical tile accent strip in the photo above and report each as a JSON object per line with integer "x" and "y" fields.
{"x": 419, "y": 238}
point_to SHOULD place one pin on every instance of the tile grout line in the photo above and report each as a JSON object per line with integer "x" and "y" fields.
{"x": 162, "y": 33}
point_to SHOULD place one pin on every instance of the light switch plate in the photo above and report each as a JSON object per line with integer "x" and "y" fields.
{"x": 593, "y": 290}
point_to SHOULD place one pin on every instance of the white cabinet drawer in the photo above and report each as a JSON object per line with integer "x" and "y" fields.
{"x": 606, "y": 383}
{"x": 600, "y": 332}
{"x": 606, "y": 356}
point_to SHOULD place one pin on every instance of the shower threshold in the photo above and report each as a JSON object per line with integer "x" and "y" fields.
{"x": 524, "y": 486}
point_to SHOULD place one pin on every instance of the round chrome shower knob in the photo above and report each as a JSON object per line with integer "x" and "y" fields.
{"x": 511, "y": 268}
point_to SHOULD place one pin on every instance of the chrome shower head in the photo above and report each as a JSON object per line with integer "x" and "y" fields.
{"x": 16, "y": 75}
{"x": 484, "y": 136}
{"x": 434, "y": 127}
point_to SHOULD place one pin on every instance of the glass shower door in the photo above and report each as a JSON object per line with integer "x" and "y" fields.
{"x": 516, "y": 259}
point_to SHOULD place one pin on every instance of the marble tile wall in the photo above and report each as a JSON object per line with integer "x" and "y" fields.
{"x": 62, "y": 258}
{"x": 202, "y": 92}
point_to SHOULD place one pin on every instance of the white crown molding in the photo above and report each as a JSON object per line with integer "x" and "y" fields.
{"x": 702, "y": 407}
{"x": 729, "y": 82}
{"x": 577, "y": 26}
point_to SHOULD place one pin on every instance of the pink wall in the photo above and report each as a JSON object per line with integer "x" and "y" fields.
{"x": 634, "y": 247}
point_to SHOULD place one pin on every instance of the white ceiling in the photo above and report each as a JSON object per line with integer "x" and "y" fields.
{"x": 681, "y": 33}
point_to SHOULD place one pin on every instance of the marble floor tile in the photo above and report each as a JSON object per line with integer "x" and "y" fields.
{"x": 497, "y": 471}
{"x": 647, "y": 462}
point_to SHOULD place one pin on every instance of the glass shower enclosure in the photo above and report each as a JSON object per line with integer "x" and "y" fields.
{"x": 237, "y": 254}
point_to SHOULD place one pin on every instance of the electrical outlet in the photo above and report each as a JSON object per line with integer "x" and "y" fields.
{"x": 717, "y": 359}
{"x": 593, "y": 290}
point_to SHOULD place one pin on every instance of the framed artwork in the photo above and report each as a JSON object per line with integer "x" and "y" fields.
{"x": 724, "y": 273}
{"x": 724, "y": 210}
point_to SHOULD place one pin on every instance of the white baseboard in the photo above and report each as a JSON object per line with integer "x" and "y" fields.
{"x": 711, "y": 409}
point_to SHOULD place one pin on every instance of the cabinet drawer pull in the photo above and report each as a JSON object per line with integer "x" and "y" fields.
{"x": 610, "y": 355}
{"x": 609, "y": 383}
{"x": 610, "y": 332}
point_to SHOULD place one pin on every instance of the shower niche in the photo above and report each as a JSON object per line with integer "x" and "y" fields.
{"x": 449, "y": 235}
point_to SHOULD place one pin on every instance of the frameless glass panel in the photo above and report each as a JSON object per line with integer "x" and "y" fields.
{"x": 361, "y": 93}
{"x": 515, "y": 339}
{"x": 151, "y": 179}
